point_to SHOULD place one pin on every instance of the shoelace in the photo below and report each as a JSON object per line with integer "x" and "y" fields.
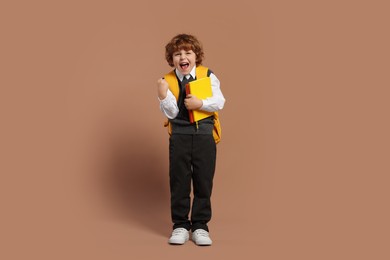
{"x": 203, "y": 233}
{"x": 178, "y": 231}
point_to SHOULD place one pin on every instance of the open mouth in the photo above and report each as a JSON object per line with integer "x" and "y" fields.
{"x": 184, "y": 65}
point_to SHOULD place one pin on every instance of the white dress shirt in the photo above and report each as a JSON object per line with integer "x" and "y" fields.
{"x": 212, "y": 104}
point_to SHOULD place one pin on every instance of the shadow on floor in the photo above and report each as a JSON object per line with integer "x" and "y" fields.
{"x": 135, "y": 181}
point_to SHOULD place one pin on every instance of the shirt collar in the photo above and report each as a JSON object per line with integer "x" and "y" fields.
{"x": 181, "y": 76}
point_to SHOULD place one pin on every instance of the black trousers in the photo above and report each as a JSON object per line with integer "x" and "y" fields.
{"x": 191, "y": 159}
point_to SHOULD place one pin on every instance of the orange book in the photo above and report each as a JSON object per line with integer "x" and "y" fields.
{"x": 201, "y": 89}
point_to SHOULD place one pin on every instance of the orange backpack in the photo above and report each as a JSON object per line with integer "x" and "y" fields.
{"x": 201, "y": 72}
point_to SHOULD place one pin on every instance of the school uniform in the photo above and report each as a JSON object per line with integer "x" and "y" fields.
{"x": 192, "y": 155}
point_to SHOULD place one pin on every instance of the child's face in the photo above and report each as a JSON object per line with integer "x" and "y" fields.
{"x": 184, "y": 61}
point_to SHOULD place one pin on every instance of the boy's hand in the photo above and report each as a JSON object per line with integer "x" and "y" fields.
{"x": 162, "y": 88}
{"x": 192, "y": 103}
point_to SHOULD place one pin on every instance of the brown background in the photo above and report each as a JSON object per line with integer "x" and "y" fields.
{"x": 303, "y": 167}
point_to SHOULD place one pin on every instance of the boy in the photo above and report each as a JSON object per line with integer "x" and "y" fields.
{"x": 192, "y": 148}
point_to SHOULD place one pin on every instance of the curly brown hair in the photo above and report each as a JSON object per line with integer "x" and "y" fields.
{"x": 184, "y": 42}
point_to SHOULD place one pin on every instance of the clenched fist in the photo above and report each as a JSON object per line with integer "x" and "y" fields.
{"x": 162, "y": 88}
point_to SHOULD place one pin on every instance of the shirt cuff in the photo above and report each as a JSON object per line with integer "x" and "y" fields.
{"x": 206, "y": 104}
{"x": 165, "y": 100}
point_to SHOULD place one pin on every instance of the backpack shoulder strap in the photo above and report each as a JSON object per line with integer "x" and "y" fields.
{"x": 173, "y": 84}
{"x": 201, "y": 72}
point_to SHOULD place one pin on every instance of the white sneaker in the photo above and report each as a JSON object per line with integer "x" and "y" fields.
{"x": 201, "y": 237}
{"x": 179, "y": 236}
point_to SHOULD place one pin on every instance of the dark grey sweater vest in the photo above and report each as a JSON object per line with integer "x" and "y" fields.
{"x": 181, "y": 123}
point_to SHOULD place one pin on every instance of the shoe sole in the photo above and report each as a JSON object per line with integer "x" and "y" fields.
{"x": 178, "y": 242}
{"x": 203, "y": 244}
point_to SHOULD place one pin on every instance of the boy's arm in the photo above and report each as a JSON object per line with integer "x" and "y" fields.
{"x": 168, "y": 105}
{"x": 217, "y": 101}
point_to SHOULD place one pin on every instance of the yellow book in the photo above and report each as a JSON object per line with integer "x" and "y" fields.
{"x": 201, "y": 89}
